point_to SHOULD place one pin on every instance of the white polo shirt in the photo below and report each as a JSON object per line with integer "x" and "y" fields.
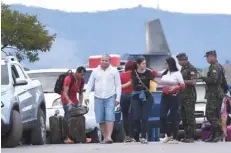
{"x": 106, "y": 83}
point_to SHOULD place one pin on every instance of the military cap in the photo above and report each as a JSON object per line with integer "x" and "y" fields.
{"x": 182, "y": 56}
{"x": 211, "y": 52}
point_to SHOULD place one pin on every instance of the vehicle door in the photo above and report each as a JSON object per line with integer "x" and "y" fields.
{"x": 25, "y": 98}
{"x": 33, "y": 90}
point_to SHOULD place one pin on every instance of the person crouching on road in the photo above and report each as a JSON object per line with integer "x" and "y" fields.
{"x": 188, "y": 97}
{"x": 107, "y": 87}
{"x": 126, "y": 99}
{"x": 173, "y": 82}
{"x": 71, "y": 86}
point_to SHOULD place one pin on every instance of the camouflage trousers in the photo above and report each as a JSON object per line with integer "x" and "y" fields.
{"x": 213, "y": 108}
{"x": 187, "y": 109}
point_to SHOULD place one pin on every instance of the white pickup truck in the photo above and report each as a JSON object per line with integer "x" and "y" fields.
{"x": 23, "y": 113}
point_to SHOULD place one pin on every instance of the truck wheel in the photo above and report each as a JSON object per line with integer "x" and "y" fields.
{"x": 15, "y": 134}
{"x": 26, "y": 137}
{"x": 38, "y": 133}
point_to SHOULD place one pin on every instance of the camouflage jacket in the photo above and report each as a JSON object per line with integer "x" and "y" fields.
{"x": 189, "y": 72}
{"x": 213, "y": 81}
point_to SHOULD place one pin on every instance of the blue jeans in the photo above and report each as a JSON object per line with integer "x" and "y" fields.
{"x": 125, "y": 104}
{"x": 140, "y": 111}
{"x": 169, "y": 103}
{"x": 105, "y": 109}
{"x": 67, "y": 108}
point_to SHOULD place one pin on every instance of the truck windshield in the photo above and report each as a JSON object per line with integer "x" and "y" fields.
{"x": 48, "y": 79}
{"x": 4, "y": 75}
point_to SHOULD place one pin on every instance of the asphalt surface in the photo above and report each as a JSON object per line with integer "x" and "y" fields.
{"x": 154, "y": 147}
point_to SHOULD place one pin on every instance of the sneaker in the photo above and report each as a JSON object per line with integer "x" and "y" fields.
{"x": 109, "y": 142}
{"x": 217, "y": 139}
{"x": 188, "y": 140}
{"x": 167, "y": 139}
{"x": 182, "y": 140}
{"x": 128, "y": 139}
{"x": 143, "y": 140}
{"x": 103, "y": 142}
{"x": 173, "y": 141}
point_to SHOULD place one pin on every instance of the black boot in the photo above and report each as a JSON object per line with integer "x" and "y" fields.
{"x": 210, "y": 139}
{"x": 186, "y": 133}
{"x": 190, "y": 135}
{"x": 218, "y": 136}
{"x": 188, "y": 140}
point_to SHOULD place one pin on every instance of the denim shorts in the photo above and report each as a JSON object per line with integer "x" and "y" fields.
{"x": 105, "y": 109}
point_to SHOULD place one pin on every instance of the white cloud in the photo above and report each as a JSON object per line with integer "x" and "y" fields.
{"x": 186, "y": 6}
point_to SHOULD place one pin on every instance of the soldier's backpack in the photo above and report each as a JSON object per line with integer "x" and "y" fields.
{"x": 59, "y": 82}
{"x": 224, "y": 84}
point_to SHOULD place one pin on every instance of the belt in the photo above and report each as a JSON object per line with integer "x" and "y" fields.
{"x": 169, "y": 94}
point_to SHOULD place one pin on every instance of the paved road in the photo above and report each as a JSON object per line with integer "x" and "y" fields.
{"x": 198, "y": 147}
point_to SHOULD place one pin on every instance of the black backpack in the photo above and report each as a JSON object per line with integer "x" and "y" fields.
{"x": 59, "y": 82}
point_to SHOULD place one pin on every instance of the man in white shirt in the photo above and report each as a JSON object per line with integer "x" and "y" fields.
{"x": 107, "y": 88}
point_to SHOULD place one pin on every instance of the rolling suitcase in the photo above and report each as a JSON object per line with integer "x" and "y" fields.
{"x": 57, "y": 133}
{"x": 228, "y": 138}
{"x": 77, "y": 129}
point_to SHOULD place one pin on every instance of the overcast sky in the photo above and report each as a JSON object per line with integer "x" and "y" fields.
{"x": 186, "y": 6}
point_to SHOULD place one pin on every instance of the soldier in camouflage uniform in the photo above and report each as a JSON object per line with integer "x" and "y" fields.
{"x": 188, "y": 97}
{"x": 214, "y": 96}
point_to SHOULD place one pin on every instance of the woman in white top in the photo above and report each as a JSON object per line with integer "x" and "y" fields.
{"x": 170, "y": 100}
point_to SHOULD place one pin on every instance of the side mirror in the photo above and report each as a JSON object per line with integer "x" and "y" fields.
{"x": 20, "y": 82}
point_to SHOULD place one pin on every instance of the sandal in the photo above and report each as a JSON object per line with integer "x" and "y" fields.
{"x": 103, "y": 142}
{"x": 109, "y": 141}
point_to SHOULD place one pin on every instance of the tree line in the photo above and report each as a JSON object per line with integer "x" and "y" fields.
{"x": 23, "y": 36}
